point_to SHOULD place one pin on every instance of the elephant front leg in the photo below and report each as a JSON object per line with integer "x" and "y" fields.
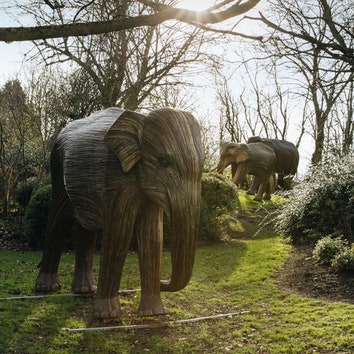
{"x": 254, "y": 186}
{"x": 120, "y": 215}
{"x": 263, "y": 191}
{"x": 108, "y": 308}
{"x": 267, "y": 192}
{"x": 258, "y": 197}
{"x": 107, "y": 304}
{"x": 150, "y": 238}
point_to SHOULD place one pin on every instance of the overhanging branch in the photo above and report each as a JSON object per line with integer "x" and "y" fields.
{"x": 11, "y": 34}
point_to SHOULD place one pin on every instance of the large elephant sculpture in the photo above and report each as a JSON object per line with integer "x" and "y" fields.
{"x": 115, "y": 173}
{"x": 254, "y": 159}
{"x": 287, "y": 159}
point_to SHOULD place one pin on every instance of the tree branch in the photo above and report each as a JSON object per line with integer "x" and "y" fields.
{"x": 10, "y": 34}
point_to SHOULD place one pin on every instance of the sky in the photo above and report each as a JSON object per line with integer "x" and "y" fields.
{"x": 11, "y": 60}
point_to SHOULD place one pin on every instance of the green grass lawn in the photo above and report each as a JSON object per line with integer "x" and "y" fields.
{"x": 237, "y": 276}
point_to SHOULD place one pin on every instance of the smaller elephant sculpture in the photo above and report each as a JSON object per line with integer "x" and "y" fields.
{"x": 287, "y": 159}
{"x": 254, "y": 159}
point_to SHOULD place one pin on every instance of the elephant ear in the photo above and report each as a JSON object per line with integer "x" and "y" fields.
{"x": 124, "y": 138}
{"x": 242, "y": 154}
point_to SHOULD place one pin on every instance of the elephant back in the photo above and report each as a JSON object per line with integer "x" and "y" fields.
{"x": 260, "y": 157}
{"x": 287, "y": 156}
{"x": 286, "y": 152}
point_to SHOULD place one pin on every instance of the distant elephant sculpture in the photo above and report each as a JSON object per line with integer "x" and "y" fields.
{"x": 115, "y": 173}
{"x": 287, "y": 159}
{"x": 253, "y": 159}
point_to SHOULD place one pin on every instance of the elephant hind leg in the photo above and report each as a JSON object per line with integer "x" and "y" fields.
{"x": 83, "y": 281}
{"x": 59, "y": 225}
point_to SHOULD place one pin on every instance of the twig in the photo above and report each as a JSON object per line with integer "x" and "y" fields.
{"x": 35, "y": 297}
{"x": 155, "y": 324}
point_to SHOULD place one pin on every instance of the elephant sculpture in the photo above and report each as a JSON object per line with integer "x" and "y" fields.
{"x": 115, "y": 173}
{"x": 287, "y": 160}
{"x": 254, "y": 159}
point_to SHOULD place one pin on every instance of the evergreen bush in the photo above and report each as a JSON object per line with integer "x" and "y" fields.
{"x": 36, "y": 216}
{"x": 327, "y": 249}
{"x": 344, "y": 261}
{"x": 219, "y": 197}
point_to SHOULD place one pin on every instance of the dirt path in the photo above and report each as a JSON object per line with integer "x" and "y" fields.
{"x": 303, "y": 276}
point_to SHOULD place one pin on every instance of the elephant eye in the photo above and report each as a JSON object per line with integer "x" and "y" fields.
{"x": 164, "y": 161}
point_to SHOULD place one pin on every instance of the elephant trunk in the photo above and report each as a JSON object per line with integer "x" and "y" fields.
{"x": 184, "y": 224}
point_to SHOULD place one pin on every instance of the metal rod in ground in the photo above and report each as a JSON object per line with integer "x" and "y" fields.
{"x": 34, "y": 297}
{"x": 154, "y": 325}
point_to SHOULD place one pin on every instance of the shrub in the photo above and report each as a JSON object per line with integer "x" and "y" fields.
{"x": 327, "y": 249}
{"x": 219, "y": 197}
{"x": 24, "y": 191}
{"x": 25, "y": 188}
{"x": 344, "y": 261}
{"x": 322, "y": 204}
{"x": 36, "y": 216}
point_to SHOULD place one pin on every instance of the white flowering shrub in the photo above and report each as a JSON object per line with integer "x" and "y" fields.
{"x": 320, "y": 205}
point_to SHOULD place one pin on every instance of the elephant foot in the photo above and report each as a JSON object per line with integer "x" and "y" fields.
{"x": 257, "y": 198}
{"x": 47, "y": 282}
{"x": 108, "y": 308}
{"x": 165, "y": 285}
{"x": 84, "y": 289}
{"x": 267, "y": 197}
{"x": 83, "y": 283}
{"x": 151, "y": 306}
{"x": 250, "y": 191}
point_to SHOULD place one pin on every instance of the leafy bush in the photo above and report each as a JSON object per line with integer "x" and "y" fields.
{"x": 344, "y": 261}
{"x": 327, "y": 249}
{"x": 219, "y": 197}
{"x": 25, "y": 188}
{"x": 36, "y": 216}
{"x": 322, "y": 204}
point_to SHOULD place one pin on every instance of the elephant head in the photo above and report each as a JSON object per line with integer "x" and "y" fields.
{"x": 237, "y": 156}
{"x": 255, "y": 159}
{"x": 116, "y": 173}
{"x": 165, "y": 146}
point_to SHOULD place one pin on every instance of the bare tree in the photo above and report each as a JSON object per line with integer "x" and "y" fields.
{"x": 15, "y": 135}
{"x": 127, "y": 66}
{"x": 314, "y": 40}
{"x": 231, "y": 120}
{"x": 263, "y": 108}
{"x": 49, "y": 95}
{"x": 326, "y": 25}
